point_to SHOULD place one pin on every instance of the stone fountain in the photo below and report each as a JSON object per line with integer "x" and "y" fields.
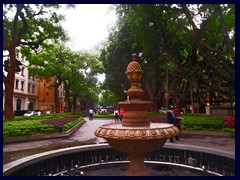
{"x": 136, "y": 136}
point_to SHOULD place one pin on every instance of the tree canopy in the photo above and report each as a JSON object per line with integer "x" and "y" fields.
{"x": 28, "y": 25}
{"x": 181, "y": 47}
{"x": 187, "y": 53}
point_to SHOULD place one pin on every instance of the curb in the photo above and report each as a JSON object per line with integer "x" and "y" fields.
{"x": 208, "y": 133}
{"x": 43, "y": 136}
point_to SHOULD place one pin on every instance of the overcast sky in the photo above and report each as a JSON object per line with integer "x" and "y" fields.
{"x": 87, "y": 25}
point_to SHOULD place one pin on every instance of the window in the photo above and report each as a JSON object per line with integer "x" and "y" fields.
{"x": 30, "y": 106}
{"x": 29, "y": 87}
{"x": 33, "y": 88}
{"x": 22, "y": 85}
{"x": 18, "y": 104}
{"x": 33, "y": 78}
{"x": 16, "y": 84}
{"x": 22, "y": 71}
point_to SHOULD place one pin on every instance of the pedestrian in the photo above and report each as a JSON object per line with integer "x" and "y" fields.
{"x": 90, "y": 114}
{"x": 116, "y": 114}
{"x": 121, "y": 112}
{"x": 178, "y": 119}
{"x": 172, "y": 120}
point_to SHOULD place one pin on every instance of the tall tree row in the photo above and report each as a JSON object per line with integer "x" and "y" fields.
{"x": 182, "y": 48}
{"x": 35, "y": 30}
{"x": 77, "y": 70}
{"x": 26, "y": 25}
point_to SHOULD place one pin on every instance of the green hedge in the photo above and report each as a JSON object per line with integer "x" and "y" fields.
{"x": 33, "y": 125}
{"x": 42, "y": 116}
{"x": 202, "y": 122}
{"x": 71, "y": 124}
{"x": 103, "y": 115}
{"x": 26, "y": 126}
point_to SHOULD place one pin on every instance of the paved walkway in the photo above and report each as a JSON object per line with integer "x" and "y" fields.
{"x": 214, "y": 140}
{"x": 84, "y": 134}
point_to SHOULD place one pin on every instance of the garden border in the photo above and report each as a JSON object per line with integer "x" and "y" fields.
{"x": 43, "y": 136}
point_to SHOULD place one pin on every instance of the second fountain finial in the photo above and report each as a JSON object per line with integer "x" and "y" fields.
{"x": 134, "y": 74}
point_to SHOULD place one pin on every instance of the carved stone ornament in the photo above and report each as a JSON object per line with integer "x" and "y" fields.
{"x": 115, "y": 131}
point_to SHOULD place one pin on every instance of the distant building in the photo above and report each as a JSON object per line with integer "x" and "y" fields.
{"x": 46, "y": 96}
{"x": 31, "y": 93}
{"x": 25, "y": 88}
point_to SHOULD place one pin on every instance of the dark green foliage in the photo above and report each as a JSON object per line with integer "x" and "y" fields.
{"x": 179, "y": 54}
{"x": 71, "y": 124}
{"x": 103, "y": 115}
{"x": 34, "y": 125}
{"x": 26, "y": 27}
{"x": 202, "y": 123}
{"x": 227, "y": 129}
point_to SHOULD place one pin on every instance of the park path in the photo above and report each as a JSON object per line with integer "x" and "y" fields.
{"x": 84, "y": 134}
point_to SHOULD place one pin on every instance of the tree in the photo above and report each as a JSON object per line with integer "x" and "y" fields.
{"x": 181, "y": 45}
{"x": 81, "y": 83}
{"x": 115, "y": 56}
{"x": 108, "y": 98}
{"x": 216, "y": 48}
{"x": 51, "y": 61}
{"x": 31, "y": 25}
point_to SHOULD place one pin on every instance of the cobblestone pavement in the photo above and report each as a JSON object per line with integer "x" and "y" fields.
{"x": 214, "y": 140}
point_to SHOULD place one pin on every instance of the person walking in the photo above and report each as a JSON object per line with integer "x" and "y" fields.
{"x": 116, "y": 115}
{"x": 178, "y": 119}
{"x": 121, "y": 112}
{"x": 172, "y": 120}
{"x": 90, "y": 114}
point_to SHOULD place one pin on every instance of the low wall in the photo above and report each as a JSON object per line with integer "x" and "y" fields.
{"x": 213, "y": 160}
{"x": 220, "y": 110}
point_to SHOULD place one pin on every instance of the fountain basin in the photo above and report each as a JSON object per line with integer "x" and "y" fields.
{"x": 137, "y": 142}
{"x": 128, "y": 139}
{"x": 93, "y": 158}
{"x": 154, "y": 131}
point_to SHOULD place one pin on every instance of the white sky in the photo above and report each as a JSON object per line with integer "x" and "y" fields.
{"x": 87, "y": 25}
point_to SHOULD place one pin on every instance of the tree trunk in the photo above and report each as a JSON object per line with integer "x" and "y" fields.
{"x": 150, "y": 92}
{"x": 9, "y": 85}
{"x": 8, "y": 105}
{"x": 198, "y": 100}
{"x": 56, "y": 99}
{"x": 230, "y": 75}
{"x": 67, "y": 97}
{"x": 166, "y": 88}
{"x": 192, "y": 100}
{"x": 74, "y": 103}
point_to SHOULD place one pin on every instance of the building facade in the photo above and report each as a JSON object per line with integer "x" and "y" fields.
{"x": 46, "y": 95}
{"x": 31, "y": 93}
{"x": 25, "y": 88}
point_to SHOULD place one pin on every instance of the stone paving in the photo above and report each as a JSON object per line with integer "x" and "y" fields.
{"x": 213, "y": 140}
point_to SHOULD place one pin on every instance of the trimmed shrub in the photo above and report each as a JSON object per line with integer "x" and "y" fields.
{"x": 202, "y": 122}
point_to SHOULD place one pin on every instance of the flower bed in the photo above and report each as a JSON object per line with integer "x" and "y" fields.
{"x": 58, "y": 123}
{"x": 32, "y": 127}
{"x": 229, "y": 121}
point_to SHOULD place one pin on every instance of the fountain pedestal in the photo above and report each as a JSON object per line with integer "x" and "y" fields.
{"x": 136, "y": 135}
